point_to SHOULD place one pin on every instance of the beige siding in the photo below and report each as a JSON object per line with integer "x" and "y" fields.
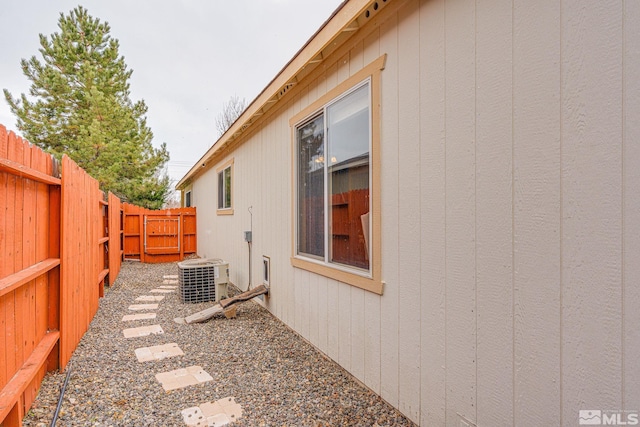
{"x": 409, "y": 210}
{"x": 536, "y": 212}
{"x": 591, "y": 166}
{"x": 390, "y": 308}
{"x": 372, "y": 310}
{"x": 631, "y": 211}
{"x": 510, "y": 217}
{"x": 433, "y": 211}
{"x": 460, "y": 326}
{"x": 494, "y": 226}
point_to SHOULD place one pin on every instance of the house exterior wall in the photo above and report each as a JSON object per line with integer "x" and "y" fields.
{"x": 510, "y": 167}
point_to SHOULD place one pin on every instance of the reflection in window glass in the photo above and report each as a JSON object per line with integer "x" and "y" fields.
{"x": 227, "y": 187}
{"x": 310, "y": 137}
{"x": 224, "y": 188}
{"x": 333, "y": 176}
{"x": 348, "y": 172}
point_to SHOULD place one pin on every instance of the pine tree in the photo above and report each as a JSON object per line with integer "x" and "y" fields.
{"x": 82, "y": 108}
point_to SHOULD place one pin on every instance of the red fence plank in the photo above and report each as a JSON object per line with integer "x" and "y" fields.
{"x": 169, "y": 234}
{"x": 60, "y": 243}
{"x": 4, "y": 374}
{"x": 81, "y": 220}
{"x": 24, "y": 376}
{"x": 115, "y": 236}
{"x": 25, "y": 266}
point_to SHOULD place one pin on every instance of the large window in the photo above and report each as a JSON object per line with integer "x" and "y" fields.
{"x": 333, "y": 182}
{"x": 225, "y": 183}
{"x": 336, "y": 227}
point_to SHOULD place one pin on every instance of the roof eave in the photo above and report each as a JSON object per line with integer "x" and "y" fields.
{"x": 343, "y": 20}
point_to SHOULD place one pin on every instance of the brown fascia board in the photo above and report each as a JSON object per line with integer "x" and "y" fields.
{"x": 309, "y": 56}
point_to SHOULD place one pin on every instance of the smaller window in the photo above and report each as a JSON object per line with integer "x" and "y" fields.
{"x": 225, "y": 193}
{"x": 224, "y": 189}
{"x": 187, "y": 199}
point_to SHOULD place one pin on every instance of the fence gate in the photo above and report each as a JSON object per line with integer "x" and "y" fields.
{"x": 158, "y": 235}
{"x": 161, "y": 235}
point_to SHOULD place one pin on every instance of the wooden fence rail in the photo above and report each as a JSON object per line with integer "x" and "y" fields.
{"x": 154, "y": 236}
{"x": 60, "y": 243}
{"x": 29, "y": 272}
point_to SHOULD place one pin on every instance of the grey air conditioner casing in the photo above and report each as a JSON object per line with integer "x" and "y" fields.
{"x": 203, "y": 280}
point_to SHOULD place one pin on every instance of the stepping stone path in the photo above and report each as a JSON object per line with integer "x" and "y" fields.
{"x": 141, "y": 316}
{"x": 158, "y": 352}
{"x": 150, "y": 298}
{"x": 218, "y": 413}
{"x": 183, "y": 377}
{"x": 142, "y": 331}
{"x": 138, "y": 307}
{"x": 209, "y": 414}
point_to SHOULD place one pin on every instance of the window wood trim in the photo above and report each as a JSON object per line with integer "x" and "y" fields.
{"x": 372, "y": 281}
{"x": 221, "y": 168}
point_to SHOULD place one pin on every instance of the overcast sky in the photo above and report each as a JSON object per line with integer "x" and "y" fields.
{"x": 188, "y": 57}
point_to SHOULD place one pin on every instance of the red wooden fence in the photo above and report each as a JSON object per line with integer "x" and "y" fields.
{"x": 116, "y": 236}
{"x": 347, "y": 231}
{"x": 348, "y": 234}
{"x": 81, "y": 248}
{"x": 29, "y": 273}
{"x": 159, "y": 236}
{"x": 60, "y": 243}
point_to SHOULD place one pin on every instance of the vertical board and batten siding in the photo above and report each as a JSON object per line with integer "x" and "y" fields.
{"x": 494, "y": 230}
{"x": 537, "y": 230}
{"x": 509, "y": 173}
{"x": 356, "y": 309}
{"x": 372, "y": 313}
{"x": 390, "y": 171}
{"x": 460, "y": 207}
{"x": 433, "y": 213}
{"x": 591, "y": 206}
{"x": 409, "y": 253}
{"x": 631, "y": 218}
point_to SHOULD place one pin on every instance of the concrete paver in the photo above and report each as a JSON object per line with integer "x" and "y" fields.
{"x": 137, "y": 307}
{"x": 150, "y": 298}
{"x": 158, "y": 352}
{"x": 142, "y": 331}
{"x": 139, "y": 316}
{"x": 183, "y": 377}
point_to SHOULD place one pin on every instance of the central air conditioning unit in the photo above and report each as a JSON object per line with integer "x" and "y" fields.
{"x": 203, "y": 280}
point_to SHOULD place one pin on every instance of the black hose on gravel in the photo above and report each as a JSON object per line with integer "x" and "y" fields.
{"x": 62, "y": 390}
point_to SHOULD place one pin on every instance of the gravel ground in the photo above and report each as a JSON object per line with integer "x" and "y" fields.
{"x": 277, "y": 377}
